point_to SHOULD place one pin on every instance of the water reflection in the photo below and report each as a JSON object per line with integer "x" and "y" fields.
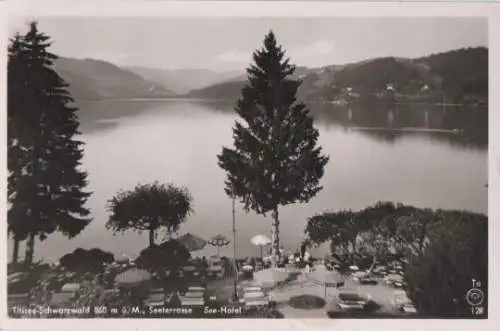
{"x": 105, "y": 115}
{"x": 130, "y": 142}
{"x": 458, "y": 126}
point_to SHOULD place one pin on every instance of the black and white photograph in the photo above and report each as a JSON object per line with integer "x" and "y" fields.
{"x": 286, "y": 167}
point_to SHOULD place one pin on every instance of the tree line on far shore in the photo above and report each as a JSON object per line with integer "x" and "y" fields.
{"x": 275, "y": 161}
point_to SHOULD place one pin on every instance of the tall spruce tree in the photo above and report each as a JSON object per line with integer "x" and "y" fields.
{"x": 46, "y": 184}
{"x": 15, "y": 98}
{"x": 275, "y": 160}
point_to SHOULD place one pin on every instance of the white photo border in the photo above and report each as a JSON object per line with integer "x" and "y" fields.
{"x": 77, "y": 8}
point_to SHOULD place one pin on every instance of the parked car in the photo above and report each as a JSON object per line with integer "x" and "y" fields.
{"x": 394, "y": 279}
{"x": 363, "y": 278}
{"x": 358, "y": 275}
{"x": 401, "y": 302}
{"x": 254, "y": 297}
{"x": 368, "y": 281}
{"x": 380, "y": 270}
{"x": 351, "y": 300}
{"x": 380, "y": 267}
{"x": 408, "y": 308}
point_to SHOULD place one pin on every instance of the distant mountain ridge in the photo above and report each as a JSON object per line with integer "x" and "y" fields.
{"x": 183, "y": 80}
{"x": 231, "y": 88}
{"x": 96, "y": 79}
{"x": 458, "y": 76}
{"x": 454, "y": 76}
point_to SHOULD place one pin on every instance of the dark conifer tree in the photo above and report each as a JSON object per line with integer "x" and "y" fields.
{"x": 15, "y": 97}
{"x": 275, "y": 160}
{"x": 46, "y": 186}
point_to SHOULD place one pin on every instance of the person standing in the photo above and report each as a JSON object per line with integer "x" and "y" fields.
{"x": 303, "y": 248}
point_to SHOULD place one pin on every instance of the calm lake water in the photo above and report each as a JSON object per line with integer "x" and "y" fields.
{"x": 371, "y": 159}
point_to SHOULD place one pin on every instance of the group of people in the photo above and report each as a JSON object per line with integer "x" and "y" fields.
{"x": 301, "y": 259}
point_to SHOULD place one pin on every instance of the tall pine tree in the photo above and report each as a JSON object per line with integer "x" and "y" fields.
{"x": 15, "y": 98}
{"x": 275, "y": 160}
{"x": 46, "y": 184}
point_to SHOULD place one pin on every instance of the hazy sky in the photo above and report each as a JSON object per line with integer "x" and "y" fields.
{"x": 227, "y": 43}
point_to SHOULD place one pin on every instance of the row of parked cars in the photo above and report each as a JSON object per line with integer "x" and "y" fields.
{"x": 391, "y": 275}
{"x": 348, "y": 300}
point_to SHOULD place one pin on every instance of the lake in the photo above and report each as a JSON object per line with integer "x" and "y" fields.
{"x": 426, "y": 156}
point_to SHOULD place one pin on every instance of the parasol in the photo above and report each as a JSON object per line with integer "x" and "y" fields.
{"x": 70, "y": 287}
{"x": 219, "y": 241}
{"x": 269, "y": 278}
{"x": 261, "y": 241}
{"x": 132, "y": 278}
{"x": 192, "y": 242}
{"x": 122, "y": 259}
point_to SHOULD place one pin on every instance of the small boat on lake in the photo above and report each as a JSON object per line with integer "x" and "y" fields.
{"x": 408, "y": 129}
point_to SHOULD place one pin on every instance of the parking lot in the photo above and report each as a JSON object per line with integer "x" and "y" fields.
{"x": 380, "y": 295}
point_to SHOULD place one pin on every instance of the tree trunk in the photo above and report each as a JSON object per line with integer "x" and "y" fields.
{"x": 276, "y": 237}
{"x": 370, "y": 270}
{"x": 15, "y": 253}
{"x": 163, "y": 278}
{"x": 350, "y": 250}
{"x": 30, "y": 249}
{"x": 422, "y": 237}
{"x": 151, "y": 238}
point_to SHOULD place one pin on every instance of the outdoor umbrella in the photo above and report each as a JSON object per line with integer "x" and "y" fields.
{"x": 219, "y": 241}
{"x": 132, "y": 278}
{"x": 122, "y": 259}
{"x": 261, "y": 241}
{"x": 192, "y": 242}
{"x": 70, "y": 287}
{"x": 269, "y": 278}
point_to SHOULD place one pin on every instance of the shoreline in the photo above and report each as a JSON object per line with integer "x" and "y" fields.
{"x": 226, "y": 101}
